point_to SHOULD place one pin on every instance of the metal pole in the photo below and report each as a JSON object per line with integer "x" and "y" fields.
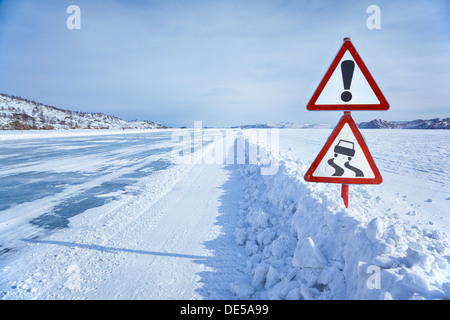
{"x": 344, "y": 194}
{"x": 345, "y": 187}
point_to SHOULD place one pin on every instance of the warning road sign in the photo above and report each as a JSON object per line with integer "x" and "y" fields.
{"x": 345, "y": 158}
{"x": 348, "y": 85}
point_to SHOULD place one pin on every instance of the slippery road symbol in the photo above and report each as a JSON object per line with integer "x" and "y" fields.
{"x": 339, "y": 171}
{"x": 345, "y": 158}
{"x": 346, "y": 148}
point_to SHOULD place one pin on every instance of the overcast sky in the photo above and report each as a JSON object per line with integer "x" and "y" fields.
{"x": 224, "y": 62}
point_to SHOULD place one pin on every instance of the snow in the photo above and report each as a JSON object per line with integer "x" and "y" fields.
{"x": 390, "y": 231}
{"x": 111, "y": 215}
{"x": 307, "y": 255}
{"x": 33, "y": 134}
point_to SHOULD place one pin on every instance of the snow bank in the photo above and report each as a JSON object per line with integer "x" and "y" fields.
{"x": 302, "y": 243}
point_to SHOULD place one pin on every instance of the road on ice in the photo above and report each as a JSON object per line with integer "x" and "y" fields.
{"x": 116, "y": 215}
{"x": 111, "y": 217}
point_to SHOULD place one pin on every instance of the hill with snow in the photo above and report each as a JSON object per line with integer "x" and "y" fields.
{"x": 22, "y": 114}
{"x": 436, "y": 123}
{"x": 285, "y": 125}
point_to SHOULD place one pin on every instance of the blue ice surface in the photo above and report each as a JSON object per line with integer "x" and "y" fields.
{"x": 27, "y": 185}
{"x": 72, "y": 206}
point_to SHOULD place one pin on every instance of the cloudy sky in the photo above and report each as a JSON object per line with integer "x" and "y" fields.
{"x": 224, "y": 62}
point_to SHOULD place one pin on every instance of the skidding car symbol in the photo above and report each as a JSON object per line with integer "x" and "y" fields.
{"x": 346, "y": 148}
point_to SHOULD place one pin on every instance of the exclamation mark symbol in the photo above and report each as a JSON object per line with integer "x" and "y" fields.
{"x": 347, "y": 67}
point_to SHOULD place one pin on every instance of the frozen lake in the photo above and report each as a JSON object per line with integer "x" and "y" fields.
{"x": 84, "y": 214}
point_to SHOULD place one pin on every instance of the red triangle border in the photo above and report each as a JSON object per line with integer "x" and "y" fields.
{"x": 346, "y": 118}
{"x": 348, "y": 46}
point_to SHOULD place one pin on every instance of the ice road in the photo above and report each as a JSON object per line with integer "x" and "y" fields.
{"x": 111, "y": 215}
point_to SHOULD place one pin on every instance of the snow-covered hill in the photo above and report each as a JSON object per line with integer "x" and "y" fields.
{"x": 436, "y": 123}
{"x": 21, "y": 114}
{"x": 285, "y": 125}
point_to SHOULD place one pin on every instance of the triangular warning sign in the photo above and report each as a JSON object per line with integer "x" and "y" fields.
{"x": 345, "y": 158}
{"x": 348, "y": 85}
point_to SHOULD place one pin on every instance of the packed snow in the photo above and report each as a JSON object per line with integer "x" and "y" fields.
{"x": 390, "y": 244}
{"x": 112, "y": 215}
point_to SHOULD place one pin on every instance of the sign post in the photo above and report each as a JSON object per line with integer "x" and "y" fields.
{"x": 344, "y": 194}
{"x": 345, "y": 157}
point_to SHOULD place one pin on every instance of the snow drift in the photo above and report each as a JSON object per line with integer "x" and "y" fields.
{"x": 302, "y": 243}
